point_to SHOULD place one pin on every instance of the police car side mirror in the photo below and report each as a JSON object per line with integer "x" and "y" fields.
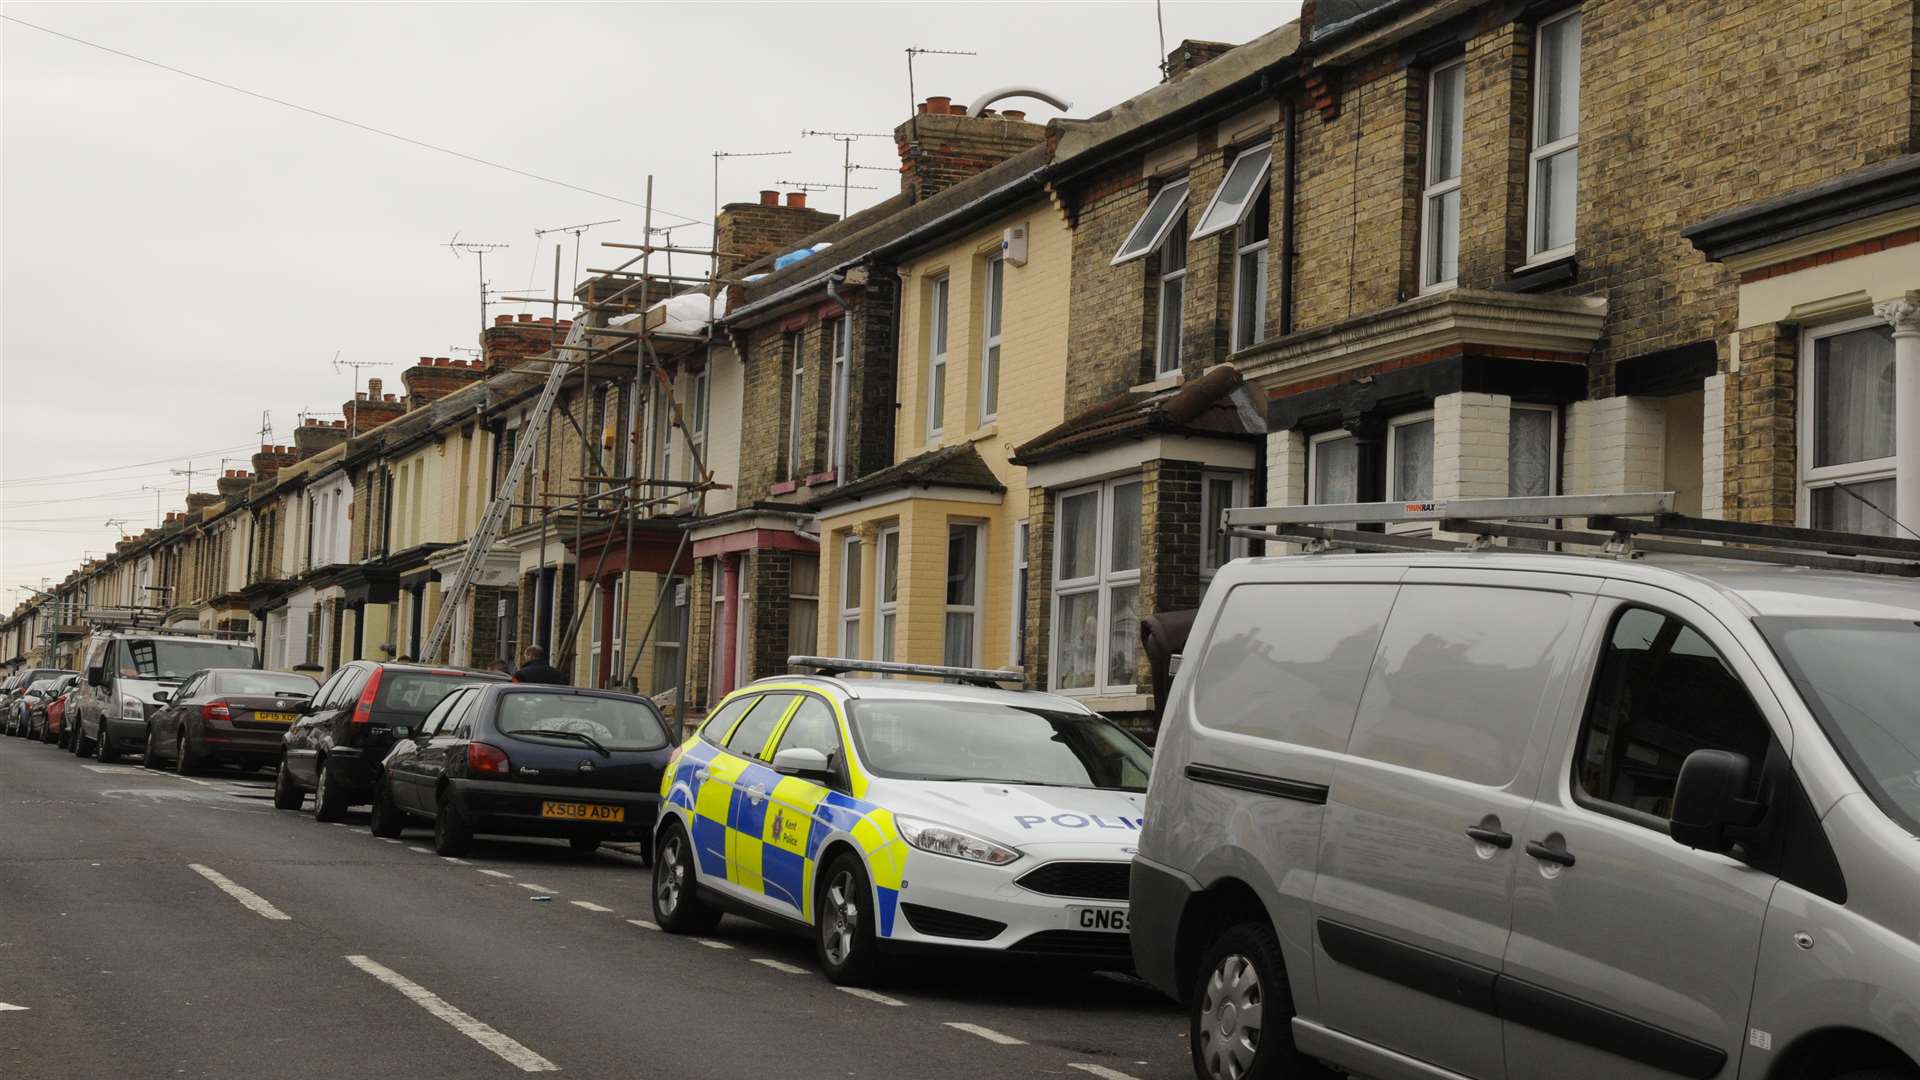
{"x": 805, "y": 763}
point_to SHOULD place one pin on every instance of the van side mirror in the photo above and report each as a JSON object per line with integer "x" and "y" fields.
{"x": 1707, "y": 802}
{"x": 804, "y": 762}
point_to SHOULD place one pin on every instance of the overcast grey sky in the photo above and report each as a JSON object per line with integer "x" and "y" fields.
{"x": 176, "y": 258}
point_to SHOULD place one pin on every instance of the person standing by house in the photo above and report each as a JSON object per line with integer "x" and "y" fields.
{"x": 535, "y": 669}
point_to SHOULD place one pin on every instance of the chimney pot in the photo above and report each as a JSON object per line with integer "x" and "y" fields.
{"x": 373, "y": 387}
{"x": 922, "y": 110}
{"x": 425, "y": 360}
{"x": 956, "y": 110}
{"x": 503, "y": 320}
{"x": 546, "y": 320}
{"x": 360, "y": 395}
{"x": 796, "y": 200}
{"x": 524, "y": 317}
{"x": 340, "y": 423}
{"x": 389, "y": 397}
{"x": 938, "y": 105}
{"x": 769, "y": 198}
{"x": 265, "y": 449}
{"x": 1015, "y": 115}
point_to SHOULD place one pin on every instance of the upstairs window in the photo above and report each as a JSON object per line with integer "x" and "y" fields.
{"x": 1237, "y": 194}
{"x": 1173, "y": 301}
{"x": 702, "y": 390}
{"x": 990, "y": 338}
{"x": 937, "y": 356}
{"x": 1440, "y": 199}
{"x": 839, "y": 392}
{"x": 1165, "y": 209}
{"x": 1250, "y": 274}
{"x": 796, "y": 377}
{"x": 1555, "y": 161}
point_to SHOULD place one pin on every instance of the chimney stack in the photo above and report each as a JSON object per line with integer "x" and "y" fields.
{"x": 1190, "y": 54}
{"x": 510, "y": 342}
{"x": 941, "y": 145}
{"x": 434, "y": 377}
{"x": 748, "y": 231}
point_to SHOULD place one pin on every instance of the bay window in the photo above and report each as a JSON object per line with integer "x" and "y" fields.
{"x": 1554, "y": 163}
{"x": 963, "y": 595}
{"x": 850, "y": 597}
{"x": 803, "y": 606}
{"x": 1333, "y": 468}
{"x": 1847, "y": 471}
{"x": 1096, "y": 593}
{"x": 990, "y": 338}
{"x": 888, "y": 587}
{"x": 1219, "y": 492}
{"x": 1410, "y": 458}
{"x": 672, "y": 630}
{"x": 1533, "y": 450}
{"x": 1018, "y": 653}
{"x": 1440, "y": 199}
{"x": 937, "y": 357}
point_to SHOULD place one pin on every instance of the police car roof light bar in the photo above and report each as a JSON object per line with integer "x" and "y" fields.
{"x": 830, "y": 666}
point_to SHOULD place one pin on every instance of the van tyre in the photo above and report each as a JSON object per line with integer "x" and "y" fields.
{"x": 843, "y": 923}
{"x": 1240, "y": 1022}
{"x": 386, "y": 820}
{"x": 452, "y": 835}
{"x": 677, "y": 907}
{"x": 103, "y": 747}
{"x": 329, "y": 801}
{"x": 285, "y": 795}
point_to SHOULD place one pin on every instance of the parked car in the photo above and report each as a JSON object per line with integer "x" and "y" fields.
{"x": 38, "y": 708}
{"x": 123, "y": 671}
{"x": 226, "y": 716}
{"x": 16, "y": 686}
{"x": 527, "y": 760}
{"x": 58, "y": 730}
{"x": 20, "y": 717}
{"x": 344, "y": 732}
{"x": 1501, "y": 814}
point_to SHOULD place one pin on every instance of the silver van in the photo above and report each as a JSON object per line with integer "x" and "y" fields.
{"x": 129, "y": 674}
{"x": 1502, "y": 814}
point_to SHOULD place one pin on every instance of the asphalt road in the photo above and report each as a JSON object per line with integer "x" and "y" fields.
{"x": 160, "y": 926}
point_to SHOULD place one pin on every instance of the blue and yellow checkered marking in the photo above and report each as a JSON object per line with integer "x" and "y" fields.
{"x": 771, "y": 846}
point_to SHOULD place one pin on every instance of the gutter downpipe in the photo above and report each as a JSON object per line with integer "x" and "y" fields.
{"x": 1287, "y": 220}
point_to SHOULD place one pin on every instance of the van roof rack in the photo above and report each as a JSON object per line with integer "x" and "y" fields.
{"x": 830, "y": 666}
{"x": 1621, "y": 526}
{"x": 149, "y": 621}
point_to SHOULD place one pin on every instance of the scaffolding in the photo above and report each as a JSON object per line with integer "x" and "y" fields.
{"x": 605, "y": 504}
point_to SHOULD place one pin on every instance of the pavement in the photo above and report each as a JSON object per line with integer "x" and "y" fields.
{"x": 153, "y": 925}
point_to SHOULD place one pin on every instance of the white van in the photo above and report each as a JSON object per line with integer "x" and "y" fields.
{"x": 1497, "y": 814}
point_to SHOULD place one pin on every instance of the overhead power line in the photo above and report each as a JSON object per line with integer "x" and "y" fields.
{"x": 343, "y": 120}
{"x": 118, "y": 468}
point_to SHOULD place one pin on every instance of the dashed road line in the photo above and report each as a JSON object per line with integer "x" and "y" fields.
{"x": 339, "y": 824}
{"x": 421, "y": 850}
{"x": 249, "y": 899}
{"x": 779, "y": 966}
{"x": 712, "y": 944}
{"x": 1100, "y": 1071}
{"x": 589, "y": 905}
{"x": 451, "y": 859}
{"x": 988, "y": 1034}
{"x": 507, "y": 1049}
{"x": 4, "y": 1007}
{"x": 384, "y": 840}
{"x": 870, "y": 995}
{"x": 644, "y": 924}
{"x": 496, "y": 873}
{"x": 530, "y": 887}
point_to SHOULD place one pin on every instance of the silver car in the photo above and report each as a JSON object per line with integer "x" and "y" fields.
{"x": 1530, "y": 815}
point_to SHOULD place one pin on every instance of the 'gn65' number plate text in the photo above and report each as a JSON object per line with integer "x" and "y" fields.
{"x": 579, "y": 811}
{"x": 1113, "y": 919}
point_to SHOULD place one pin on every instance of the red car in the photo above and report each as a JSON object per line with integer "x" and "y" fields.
{"x": 56, "y": 729}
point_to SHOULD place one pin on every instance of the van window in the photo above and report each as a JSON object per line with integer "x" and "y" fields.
{"x": 1660, "y": 693}
{"x": 1462, "y": 676}
{"x": 1288, "y": 662}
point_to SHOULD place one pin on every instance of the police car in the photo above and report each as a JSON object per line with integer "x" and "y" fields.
{"x": 882, "y": 816}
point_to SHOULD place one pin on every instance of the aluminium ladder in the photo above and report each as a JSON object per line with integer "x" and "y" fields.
{"x": 482, "y": 540}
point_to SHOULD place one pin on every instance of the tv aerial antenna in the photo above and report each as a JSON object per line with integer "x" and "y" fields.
{"x": 473, "y": 247}
{"x": 718, "y": 154}
{"x": 353, "y": 408}
{"x": 117, "y": 523}
{"x": 575, "y": 231}
{"x": 913, "y": 95}
{"x": 846, "y": 139}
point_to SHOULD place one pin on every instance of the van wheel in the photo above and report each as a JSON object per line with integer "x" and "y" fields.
{"x": 329, "y": 802}
{"x": 81, "y": 747}
{"x": 1241, "y": 1012}
{"x": 844, "y": 922}
{"x": 386, "y": 820}
{"x": 285, "y": 795}
{"x": 677, "y": 906}
{"x": 103, "y": 746}
{"x": 451, "y": 834}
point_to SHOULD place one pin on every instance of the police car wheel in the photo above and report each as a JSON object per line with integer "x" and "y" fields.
{"x": 1241, "y": 1012}
{"x": 677, "y": 908}
{"x": 843, "y": 923}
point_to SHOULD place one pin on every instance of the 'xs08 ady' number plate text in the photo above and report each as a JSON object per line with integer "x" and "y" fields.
{"x": 1113, "y": 919}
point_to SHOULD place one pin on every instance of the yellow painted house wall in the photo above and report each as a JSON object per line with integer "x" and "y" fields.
{"x": 439, "y": 494}
{"x": 1033, "y": 356}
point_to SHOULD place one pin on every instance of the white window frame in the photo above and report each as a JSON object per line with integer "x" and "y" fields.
{"x": 839, "y": 392}
{"x": 795, "y": 595}
{"x": 1391, "y": 487}
{"x": 616, "y": 647}
{"x": 887, "y": 626}
{"x": 1167, "y": 361}
{"x": 851, "y": 586}
{"x": 1314, "y": 443}
{"x": 1434, "y": 190}
{"x": 1139, "y": 245}
{"x": 702, "y": 401}
{"x": 1812, "y": 478}
{"x": 992, "y": 327}
{"x": 1553, "y": 441}
{"x": 1541, "y": 152}
{"x": 1021, "y": 582}
{"x": 1245, "y": 249}
{"x": 796, "y": 384}
{"x": 1258, "y": 158}
{"x": 939, "y": 308}
{"x": 1210, "y": 518}
{"x": 973, "y": 610}
{"x": 1103, "y": 582}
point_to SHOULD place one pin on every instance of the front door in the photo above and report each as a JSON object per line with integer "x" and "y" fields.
{"x": 1632, "y": 956}
{"x": 786, "y": 849}
{"x": 1414, "y": 894}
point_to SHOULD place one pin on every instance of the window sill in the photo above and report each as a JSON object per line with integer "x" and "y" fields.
{"x": 1547, "y": 272}
{"x": 784, "y": 487}
{"x": 985, "y": 431}
{"x": 1165, "y": 382}
{"x": 831, "y": 476}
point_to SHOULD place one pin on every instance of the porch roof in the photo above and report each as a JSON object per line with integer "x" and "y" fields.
{"x": 1211, "y": 406}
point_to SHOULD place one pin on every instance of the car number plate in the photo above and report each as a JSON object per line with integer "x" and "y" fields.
{"x": 579, "y": 811}
{"x": 274, "y": 717}
{"x": 1110, "y": 919}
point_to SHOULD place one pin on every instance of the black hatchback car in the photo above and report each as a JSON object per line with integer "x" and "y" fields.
{"x": 556, "y": 761}
{"x": 234, "y": 716}
{"x": 336, "y": 746}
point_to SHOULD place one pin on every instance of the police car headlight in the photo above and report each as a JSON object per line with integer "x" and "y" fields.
{"x": 946, "y": 840}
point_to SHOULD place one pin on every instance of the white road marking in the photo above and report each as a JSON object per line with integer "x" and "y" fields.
{"x": 384, "y": 840}
{"x": 421, "y": 850}
{"x": 712, "y": 944}
{"x": 869, "y": 995}
{"x": 339, "y": 824}
{"x": 249, "y": 899}
{"x": 778, "y": 966}
{"x": 589, "y": 905}
{"x": 496, "y": 873}
{"x": 644, "y": 924}
{"x": 510, "y": 1051}
{"x": 1100, "y": 1071}
{"x": 533, "y": 888}
{"x": 988, "y": 1034}
{"x": 4, "y": 1007}
{"x": 451, "y": 859}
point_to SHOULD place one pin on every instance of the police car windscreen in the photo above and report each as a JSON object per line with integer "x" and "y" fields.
{"x": 147, "y": 659}
{"x": 612, "y": 722}
{"x": 981, "y": 741}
